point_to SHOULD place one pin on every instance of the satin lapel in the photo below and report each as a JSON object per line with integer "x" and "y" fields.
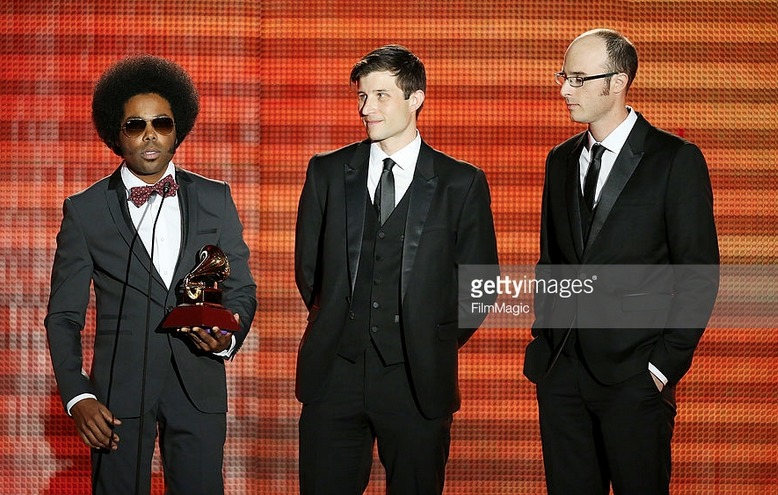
{"x": 116, "y": 199}
{"x": 572, "y": 191}
{"x": 355, "y": 176}
{"x": 188, "y": 200}
{"x": 421, "y": 191}
{"x": 625, "y": 166}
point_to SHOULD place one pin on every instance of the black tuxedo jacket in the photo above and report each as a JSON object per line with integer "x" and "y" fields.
{"x": 449, "y": 224}
{"x": 656, "y": 208}
{"x": 97, "y": 244}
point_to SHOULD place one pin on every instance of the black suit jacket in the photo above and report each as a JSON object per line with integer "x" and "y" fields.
{"x": 656, "y": 208}
{"x": 97, "y": 243}
{"x": 449, "y": 224}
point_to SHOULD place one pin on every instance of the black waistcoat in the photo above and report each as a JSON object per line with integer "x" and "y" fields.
{"x": 375, "y": 305}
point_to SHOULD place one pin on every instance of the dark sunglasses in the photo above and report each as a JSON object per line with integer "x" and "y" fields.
{"x": 135, "y": 127}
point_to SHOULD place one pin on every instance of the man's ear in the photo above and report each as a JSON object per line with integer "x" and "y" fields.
{"x": 619, "y": 82}
{"x": 416, "y": 100}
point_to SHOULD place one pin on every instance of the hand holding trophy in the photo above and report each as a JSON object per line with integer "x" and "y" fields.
{"x": 200, "y": 298}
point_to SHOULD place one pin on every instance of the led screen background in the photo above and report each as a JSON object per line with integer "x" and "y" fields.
{"x": 273, "y": 79}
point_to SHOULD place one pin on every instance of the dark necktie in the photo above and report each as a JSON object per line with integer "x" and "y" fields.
{"x": 166, "y": 187}
{"x": 384, "y": 193}
{"x": 590, "y": 184}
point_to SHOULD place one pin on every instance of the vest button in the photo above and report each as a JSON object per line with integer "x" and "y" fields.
{"x": 351, "y": 315}
{"x": 381, "y": 235}
{"x": 374, "y": 329}
{"x": 376, "y": 305}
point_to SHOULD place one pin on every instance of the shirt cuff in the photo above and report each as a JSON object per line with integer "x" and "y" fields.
{"x": 227, "y": 352}
{"x": 78, "y": 398}
{"x": 655, "y": 371}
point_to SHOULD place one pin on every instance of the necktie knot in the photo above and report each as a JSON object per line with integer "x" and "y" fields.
{"x": 166, "y": 188}
{"x": 597, "y": 151}
{"x": 384, "y": 193}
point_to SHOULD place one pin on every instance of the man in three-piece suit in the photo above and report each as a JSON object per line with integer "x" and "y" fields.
{"x": 146, "y": 381}
{"x": 382, "y": 227}
{"x": 621, "y": 193}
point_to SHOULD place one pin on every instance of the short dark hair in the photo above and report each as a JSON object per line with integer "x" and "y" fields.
{"x": 142, "y": 74}
{"x": 398, "y": 61}
{"x": 622, "y": 55}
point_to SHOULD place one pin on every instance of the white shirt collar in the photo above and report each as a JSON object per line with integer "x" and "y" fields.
{"x": 405, "y": 158}
{"x": 616, "y": 139}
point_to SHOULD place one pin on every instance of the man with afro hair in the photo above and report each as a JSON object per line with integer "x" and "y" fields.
{"x": 134, "y": 236}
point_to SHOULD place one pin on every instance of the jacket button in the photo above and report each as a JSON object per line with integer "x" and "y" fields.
{"x": 374, "y": 329}
{"x": 168, "y": 309}
{"x": 351, "y": 315}
{"x": 376, "y": 305}
{"x": 381, "y": 235}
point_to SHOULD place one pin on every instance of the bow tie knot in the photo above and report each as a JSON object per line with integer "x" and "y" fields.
{"x": 166, "y": 188}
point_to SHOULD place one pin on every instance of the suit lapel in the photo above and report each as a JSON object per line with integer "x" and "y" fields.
{"x": 572, "y": 193}
{"x": 421, "y": 191}
{"x": 188, "y": 201}
{"x": 116, "y": 199}
{"x": 625, "y": 166}
{"x": 355, "y": 176}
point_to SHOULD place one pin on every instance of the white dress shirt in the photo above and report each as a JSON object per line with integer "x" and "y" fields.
{"x": 167, "y": 238}
{"x": 403, "y": 172}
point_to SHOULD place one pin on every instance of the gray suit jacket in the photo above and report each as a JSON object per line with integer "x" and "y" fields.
{"x": 97, "y": 244}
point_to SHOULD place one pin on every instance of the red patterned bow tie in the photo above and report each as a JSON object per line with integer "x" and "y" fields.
{"x": 166, "y": 187}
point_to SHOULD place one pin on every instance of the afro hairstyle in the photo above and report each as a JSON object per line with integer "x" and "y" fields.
{"x": 142, "y": 74}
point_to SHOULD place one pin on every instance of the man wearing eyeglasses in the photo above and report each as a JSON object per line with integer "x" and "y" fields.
{"x": 134, "y": 235}
{"x": 621, "y": 193}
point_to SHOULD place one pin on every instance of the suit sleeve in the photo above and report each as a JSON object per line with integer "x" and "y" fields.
{"x": 240, "y": 290}
{"x": 543, "y": 270}
{"x": 476, "y": 239}
{"x": 694, "y": 254}
{"x": 308, "y": 232}
{"x": 71, "y": 277}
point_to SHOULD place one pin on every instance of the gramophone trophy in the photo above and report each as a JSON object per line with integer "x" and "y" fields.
{"x": 200, "y": 298}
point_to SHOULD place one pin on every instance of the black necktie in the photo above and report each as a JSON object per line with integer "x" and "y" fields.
{"x": 590, "y": 184}
{"x": 384, "y": 193}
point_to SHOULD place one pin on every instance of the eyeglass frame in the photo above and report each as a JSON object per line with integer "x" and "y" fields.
{"x": 564, "y": 77}
{"x": 147, "y": 122}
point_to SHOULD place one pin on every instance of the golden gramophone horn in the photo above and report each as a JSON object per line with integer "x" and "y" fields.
{"x": 213, "y": 268}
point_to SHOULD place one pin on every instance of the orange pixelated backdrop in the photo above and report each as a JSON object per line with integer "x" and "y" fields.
{"x": 273, "y": 78}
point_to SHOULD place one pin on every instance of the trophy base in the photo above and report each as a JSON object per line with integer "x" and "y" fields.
{"x": 202, "y": 316}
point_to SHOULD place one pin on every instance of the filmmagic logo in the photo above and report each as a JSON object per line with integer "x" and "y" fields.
{"x": 502, "y": 308}
{"x": 507, "y": 286}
